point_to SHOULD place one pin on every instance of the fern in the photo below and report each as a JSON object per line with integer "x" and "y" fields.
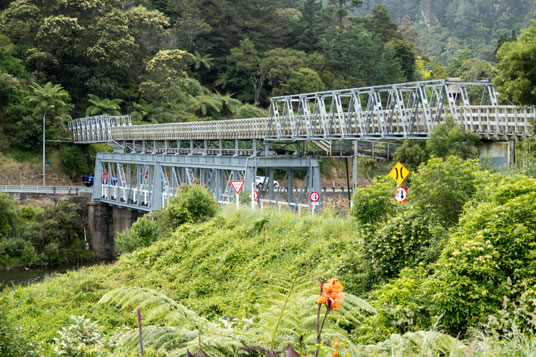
{"x": 287, "y": 316}
{"x": 184, "y": 328}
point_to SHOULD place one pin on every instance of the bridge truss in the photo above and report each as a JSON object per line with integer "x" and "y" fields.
{"x": 395, "y": 111}
{"x": 154, "y": 160}
{"x": 147, "y": 182}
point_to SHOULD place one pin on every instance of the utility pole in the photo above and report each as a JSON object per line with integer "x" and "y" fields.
{"x": 44, "y": 116}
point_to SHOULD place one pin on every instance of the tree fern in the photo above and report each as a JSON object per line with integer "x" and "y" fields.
{"x": 185, "y": 329}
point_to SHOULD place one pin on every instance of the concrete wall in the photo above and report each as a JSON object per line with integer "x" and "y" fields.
{"x": 105, "y": 223}
{"x": 498, "y": 154}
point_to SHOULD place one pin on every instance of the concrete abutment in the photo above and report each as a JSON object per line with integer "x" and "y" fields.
{"x": 105, "y": 223}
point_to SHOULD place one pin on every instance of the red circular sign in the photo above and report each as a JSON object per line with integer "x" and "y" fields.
{"x": 254, "y": 195}
{"x": 105, "y": 176}
{"x": 314, "y": 196}
{"x": 401, "y": 194}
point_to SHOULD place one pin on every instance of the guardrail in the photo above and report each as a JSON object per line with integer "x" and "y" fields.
{"x": 52, "y": 190}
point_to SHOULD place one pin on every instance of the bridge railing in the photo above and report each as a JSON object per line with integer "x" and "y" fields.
{"x": 56, "y": 190}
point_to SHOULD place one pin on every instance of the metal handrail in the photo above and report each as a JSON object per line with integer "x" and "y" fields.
{"x": 68, "y": 190}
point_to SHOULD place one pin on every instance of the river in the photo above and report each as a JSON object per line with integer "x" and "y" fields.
{"x": 22, "y": 276}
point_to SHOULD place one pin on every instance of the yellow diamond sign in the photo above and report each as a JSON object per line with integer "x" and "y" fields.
{"x": 399, "y": 173}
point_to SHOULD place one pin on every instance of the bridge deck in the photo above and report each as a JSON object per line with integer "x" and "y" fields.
{"x": 396, "y": 111}
{"x": 490, "y": 122}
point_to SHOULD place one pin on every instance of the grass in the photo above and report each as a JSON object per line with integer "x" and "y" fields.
{"x": 217, "y": 268}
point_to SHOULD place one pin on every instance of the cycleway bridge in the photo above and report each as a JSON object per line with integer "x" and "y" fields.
{"x": 151, "y": 162}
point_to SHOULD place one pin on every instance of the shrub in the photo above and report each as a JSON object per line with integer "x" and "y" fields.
{"x": 375, "y": 202}
{"x": 142, "y": 234}
{"x": 192, "y": 205}
{"x": 73, "y": 161}
{"x": 404, "y": 240}
{"x": 493, "y": 245}
{"x": 442, "y": 187}
{"x": 8, "y": 215}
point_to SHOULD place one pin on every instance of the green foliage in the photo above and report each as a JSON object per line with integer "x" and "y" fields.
{"x": 73, "y": 161}
{"x": 499, "y": 234}
{"x": 450, "y": 138}
{"x": 412, "y": 154}
{"x": 82, "y": 337}
{"x": 102, "y": 106}
{"x": 8, "y": 216}
{"x": 516, "y": 80}
{"x": 142, "y": 234}
{"x": 442, "y": 187}
{"x": 49, "y": 94}
{"x": 402, "y": 240}
{"x": 193, "y": 204}
{"x": 374, "y": 203}
{"x": 38, "y": 236}
{"x": 13, "y": 341}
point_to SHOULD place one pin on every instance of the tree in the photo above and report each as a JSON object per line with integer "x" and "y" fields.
{"x": 49, "y": 94}
{"x": 8, "y": 216}
{"x": 308, "y": 29}
{"x": 166, "y": 75}
{"x": 405, "y": 57}
{"x": 278, "y": 64}
{"x": 475, "y": 69}
{"x": 143, "y": 110}
{"x": 407, "y": 30}
{"x": 304, "y": 80}
{"x": 381, "y": 23}
{"x": 517, "y": 79}
{"x": 245, "y": 60}
{"x": 103, "y": 106}
{"x": 450, "y": 138}
{"x": 455, "y": 64}
{"x": 340, "y": 9}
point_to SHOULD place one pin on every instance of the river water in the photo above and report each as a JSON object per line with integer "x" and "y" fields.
{"x": 18, "y": 276}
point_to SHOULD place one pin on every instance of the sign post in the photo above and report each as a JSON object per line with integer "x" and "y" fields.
{"x": 237, "y": 186}
{"x": 254, "y": 195}
{"x": 401, "y": 194}
{"x": 399, "y": 173}
{"x": 314, "y": 197}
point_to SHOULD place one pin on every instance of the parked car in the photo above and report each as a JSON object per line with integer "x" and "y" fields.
{"x": 88, "y": 180}
{"x": 263, "y": 181}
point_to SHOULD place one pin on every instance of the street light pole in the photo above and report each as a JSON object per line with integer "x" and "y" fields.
{"x": 44, "y": 116}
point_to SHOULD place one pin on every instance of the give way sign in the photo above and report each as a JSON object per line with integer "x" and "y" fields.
{"x": 237, "y": 185}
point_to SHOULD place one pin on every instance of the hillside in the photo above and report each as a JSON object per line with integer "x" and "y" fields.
{"x": 16, "y": 172}
{"x": 447, "y": 26}
{"x": 431, "y": 271}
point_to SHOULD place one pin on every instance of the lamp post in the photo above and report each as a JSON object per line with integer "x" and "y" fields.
{"x": 44, "y": 116}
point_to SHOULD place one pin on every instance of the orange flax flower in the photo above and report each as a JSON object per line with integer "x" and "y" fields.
{"x": 332, "y": 294}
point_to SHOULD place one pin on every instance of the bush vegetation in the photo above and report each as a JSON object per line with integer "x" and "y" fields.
{"x": 30, "y": 235}
{"x": 439, "y": 279}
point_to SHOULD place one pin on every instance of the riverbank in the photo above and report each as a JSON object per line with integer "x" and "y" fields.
{"x": 15, "y": 276}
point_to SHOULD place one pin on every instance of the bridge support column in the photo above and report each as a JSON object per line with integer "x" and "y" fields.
{"x": 498, "y": 155}
{"x": 355, "y": 165}
{"x": 105, "y": 222}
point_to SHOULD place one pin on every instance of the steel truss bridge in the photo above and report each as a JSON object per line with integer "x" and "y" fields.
{"x": 153, "y": 161}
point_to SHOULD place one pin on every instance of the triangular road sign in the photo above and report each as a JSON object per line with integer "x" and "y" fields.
{"x": 237, "y": 185}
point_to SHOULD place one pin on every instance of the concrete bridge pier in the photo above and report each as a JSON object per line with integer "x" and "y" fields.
{"x": 498, "y": 154}
{"x": 105, "y": 222}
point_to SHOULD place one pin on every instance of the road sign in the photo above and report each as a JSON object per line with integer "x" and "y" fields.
{"x": 399, "y": 173}
{"x": 105, "y": 176}
{"x": 314, "y": 197}
{"x": 401, "y": 194}
{"x": 254, "y": 195}
{"x": 237, "y": 185}
{"x": 47, "y": 165}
